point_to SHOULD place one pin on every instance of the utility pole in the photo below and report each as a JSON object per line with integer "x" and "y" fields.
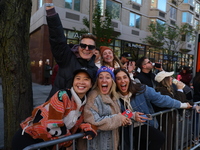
{"x": 90, "y": 15}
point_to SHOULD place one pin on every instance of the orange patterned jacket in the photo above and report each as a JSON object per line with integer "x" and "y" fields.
{"x": 60, "y": 116}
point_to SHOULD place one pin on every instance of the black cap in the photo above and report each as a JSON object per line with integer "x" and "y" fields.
{"x": 126, "y": 55}
{"x": 86, "y": 70}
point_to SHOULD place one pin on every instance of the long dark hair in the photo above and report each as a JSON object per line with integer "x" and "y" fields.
{"x": 134, "y": 87}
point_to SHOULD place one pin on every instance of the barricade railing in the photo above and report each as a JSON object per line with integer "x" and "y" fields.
{"x": 184, "y": 137}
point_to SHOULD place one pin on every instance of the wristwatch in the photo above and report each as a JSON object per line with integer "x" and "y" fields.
{"x": 48, "y": 4}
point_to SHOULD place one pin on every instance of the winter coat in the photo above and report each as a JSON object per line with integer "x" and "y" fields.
{"x": 143, "y": 102}
{"x": 60, "y": 116}
{"x": 67, "y": 59}
{"x": 196, "y": 85}
{"x": 147, "y": 78}
{"x": 102, "y": 111}
{"x": 176, "y": 95}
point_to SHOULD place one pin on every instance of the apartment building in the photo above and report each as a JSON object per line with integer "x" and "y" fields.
{"x": 130, "y": 17}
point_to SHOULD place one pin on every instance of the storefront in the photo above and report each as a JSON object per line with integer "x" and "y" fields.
{"x": 171, "y": 61}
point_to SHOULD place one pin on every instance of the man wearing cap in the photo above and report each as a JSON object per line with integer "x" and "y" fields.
{"x": 68, "y": 59}
{"x": 125, "y": 57}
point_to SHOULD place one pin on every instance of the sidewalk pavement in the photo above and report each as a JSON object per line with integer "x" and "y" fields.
{"x": 40, "y": 94}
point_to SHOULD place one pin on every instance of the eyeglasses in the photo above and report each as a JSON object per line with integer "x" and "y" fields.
{"x": 90, "y": 47}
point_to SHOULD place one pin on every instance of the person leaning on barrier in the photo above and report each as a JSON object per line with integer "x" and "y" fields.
{"x": 68, "y": 59}
{"x": 102, "y": 110}
{"x": 137, "y": 98}
{"x": 165, "y": 81}
{"x": 60, "y": 116}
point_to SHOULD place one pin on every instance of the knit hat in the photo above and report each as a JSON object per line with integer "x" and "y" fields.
{"x": 105, "y": 69}
{"x": 103, "y": 48}
{"x": 161, "y": 75}
{"x": 86, "y": 70}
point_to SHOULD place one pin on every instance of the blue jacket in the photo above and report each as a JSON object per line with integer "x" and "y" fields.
{"x": 142, "y": 102}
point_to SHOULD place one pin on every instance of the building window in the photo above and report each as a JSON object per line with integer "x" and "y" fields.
{"x": 72, "y": 4}
{"x": 196, "y": 24}
{"x": 159, "y": 4}
{"x": 157, "y": 21}
{"x": 197, "y": 8}
{"x": 173, "y": 13}
{"x": 187, "y": 18}
{"x": 134, "y": 20}
{"x": 39, "y": 3}
{"x": 191, "y": 2}
{"x": 114, "y": 9}
{"x": 137, "y": 1}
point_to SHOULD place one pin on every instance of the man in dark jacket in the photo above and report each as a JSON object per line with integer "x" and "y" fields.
{"x": 146, "y": 76}
{"x": 69, "y": 60}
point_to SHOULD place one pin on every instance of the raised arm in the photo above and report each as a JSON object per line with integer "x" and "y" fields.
{"x": 59, "y": 47}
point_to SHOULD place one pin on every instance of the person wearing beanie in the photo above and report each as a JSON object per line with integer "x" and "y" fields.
{"x": 103, "y": 111}
{"x": 165, "y": 81}
{"x": 60, "y": 116}
{"x": 108, "y": 58}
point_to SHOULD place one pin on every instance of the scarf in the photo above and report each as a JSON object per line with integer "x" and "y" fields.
{"x": 127, "y": 100}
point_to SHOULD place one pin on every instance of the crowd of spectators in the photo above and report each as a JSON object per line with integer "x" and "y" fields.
{"x": 93, "y": 90}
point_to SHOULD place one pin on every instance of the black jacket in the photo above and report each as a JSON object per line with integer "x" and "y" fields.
{"x": 68, "y": 60}
{"x": 196, "y": 85}
{"x": 147, "y": 78}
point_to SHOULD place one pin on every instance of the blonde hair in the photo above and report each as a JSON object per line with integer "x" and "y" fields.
{"x": 112, "y": 92}
{"x": 165, "y": 83}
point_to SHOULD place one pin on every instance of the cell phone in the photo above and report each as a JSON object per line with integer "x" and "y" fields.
{"x": 157, "y": 65}
{"x": 147, "y": 116}
{"x": 127, "y": 113}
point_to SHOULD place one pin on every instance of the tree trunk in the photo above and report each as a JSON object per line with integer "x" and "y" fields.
{"x": 15, "y": 65}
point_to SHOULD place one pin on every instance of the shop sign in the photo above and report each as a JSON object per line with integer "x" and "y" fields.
{"x": 165, "y": 57}
{"x": 134, "y": 45}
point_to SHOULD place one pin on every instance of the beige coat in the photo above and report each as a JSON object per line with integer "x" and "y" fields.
{"x": 102, "y": 111}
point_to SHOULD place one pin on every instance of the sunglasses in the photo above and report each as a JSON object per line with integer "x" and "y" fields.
{"x": 148, "y": 62}
{"x": 90, "y": 47}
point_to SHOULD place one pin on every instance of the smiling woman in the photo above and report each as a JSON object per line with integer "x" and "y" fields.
{"x": 102, "y": 110}
{"x": 109, "y": 59}
{"x": 139, "y": 98}
{"x": 60, "y": 116}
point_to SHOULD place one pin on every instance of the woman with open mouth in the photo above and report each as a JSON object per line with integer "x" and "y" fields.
{"x": 102, "y": 110}
{"x": 137, "y": 98}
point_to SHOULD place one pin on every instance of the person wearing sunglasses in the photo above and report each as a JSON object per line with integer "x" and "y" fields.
{"x": 146, "y": 76}
{"x": 68, "y": 59}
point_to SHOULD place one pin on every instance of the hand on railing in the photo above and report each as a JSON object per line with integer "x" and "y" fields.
{"x": 197, "y": 108}
{"x": 90, "y": 133}
{"x": 140, "y": 118}
{"x": 125, "y": 120}
{"x": 185, "y": 106}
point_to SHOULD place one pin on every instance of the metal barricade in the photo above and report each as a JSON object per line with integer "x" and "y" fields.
{"x": 184, "y": 131}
